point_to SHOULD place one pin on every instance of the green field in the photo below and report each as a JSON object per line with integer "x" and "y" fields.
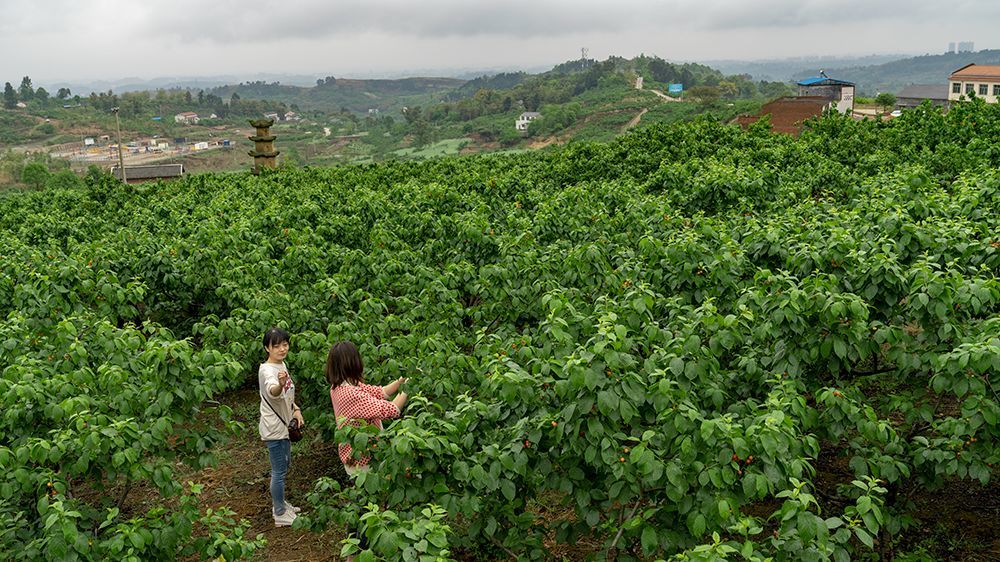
{"x": 694, "y": 342}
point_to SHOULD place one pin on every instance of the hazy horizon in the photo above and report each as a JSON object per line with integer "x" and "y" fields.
{"x": 111, "y": 40}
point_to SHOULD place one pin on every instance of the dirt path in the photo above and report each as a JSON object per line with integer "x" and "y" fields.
{"x": 241, "y": 479}
{"x": 664, "y": 96}
{"x": 635, "y": 120}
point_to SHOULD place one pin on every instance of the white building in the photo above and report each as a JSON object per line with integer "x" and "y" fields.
{"x": 527, "y": 117}
{"x": 983, "y": 80}
{"x": 188, "y": 117}
{"x": 840, "y": 92}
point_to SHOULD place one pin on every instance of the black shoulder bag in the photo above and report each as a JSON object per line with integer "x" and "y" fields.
{"x": 294, "y": 429}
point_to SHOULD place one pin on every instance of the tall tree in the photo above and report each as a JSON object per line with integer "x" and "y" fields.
{"x": 886, "y": 100}
{"x": 63, "y": 93}
{"x": 26, "y": 92}
{"x": 9, "y": 96}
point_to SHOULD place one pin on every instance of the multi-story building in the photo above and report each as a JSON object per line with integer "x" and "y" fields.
{"x": 982, "y": 80}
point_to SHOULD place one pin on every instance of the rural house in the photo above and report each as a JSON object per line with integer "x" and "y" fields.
{"x": 272, "y": 115}
{"x": 915, "y": 94}
{"x": 188, "y": 118}
{"x": 527, "y": 117}
{"x": 140, "y": 174}
{"x": 980, "y": 79}
{"x": 839, "y": 91}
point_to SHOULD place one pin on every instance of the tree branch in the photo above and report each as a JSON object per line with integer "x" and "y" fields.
{"x": 621, "y": 528}
{"x": 888, "y": 369}
{"x": 504, "y": 548}
{"x": 128, "y": 488}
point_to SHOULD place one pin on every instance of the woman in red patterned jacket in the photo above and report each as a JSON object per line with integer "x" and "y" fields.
{"x": 355, "y": 402}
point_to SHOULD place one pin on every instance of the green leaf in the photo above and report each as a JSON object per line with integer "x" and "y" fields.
{"x": 864, "y": 537}
{"x": 864, "y": 504}
{"x": 677, "y": 366}
{"x": 697, "y": 525}
{"x": 507, "y": 487}
{"x": 724, "y": 509}
{"x": 649, "y": 540}
{"x": 137, "y": 540}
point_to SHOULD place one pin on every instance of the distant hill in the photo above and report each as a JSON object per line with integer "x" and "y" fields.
{"x": 133, "y": 84}
{"x": 896, "y": 75}
{"x": 570, "y": 78}
{"x": 784, "y": 69}
{"x": 354, "y": 95}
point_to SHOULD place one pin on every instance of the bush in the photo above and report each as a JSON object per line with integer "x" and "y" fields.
{"x": 35, "y": 174}
{"x": 65, "y": 179}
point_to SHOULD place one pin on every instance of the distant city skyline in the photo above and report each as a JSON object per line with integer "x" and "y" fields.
{"x": 107, "y": 40}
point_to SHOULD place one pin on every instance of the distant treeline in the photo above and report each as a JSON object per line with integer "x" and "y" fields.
{"x": 136, "y": 104}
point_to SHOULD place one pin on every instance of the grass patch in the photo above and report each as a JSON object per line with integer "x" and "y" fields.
{"x": 445, "y": 147}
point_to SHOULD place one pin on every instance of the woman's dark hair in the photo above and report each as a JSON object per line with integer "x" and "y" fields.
{"x": 343, "y": 364}
{"x": 274, "y": 336}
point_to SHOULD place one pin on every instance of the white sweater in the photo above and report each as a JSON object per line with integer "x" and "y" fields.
{"x": 271, "y": 427}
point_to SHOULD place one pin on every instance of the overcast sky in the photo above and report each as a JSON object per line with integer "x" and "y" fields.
{"x": 52, "y": 40}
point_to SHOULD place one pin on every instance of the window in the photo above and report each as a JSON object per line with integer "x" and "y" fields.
{"x": 983, "y": 89}
{"x": 956, "y": 87}
{"x": 969, "y": 88}
{"x": 996, "y": 89}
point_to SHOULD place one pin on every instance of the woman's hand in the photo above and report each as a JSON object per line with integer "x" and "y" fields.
{"x": 392, "y": 387}
{"x": 297, "y": 414}
{"x": 276, "y": 391}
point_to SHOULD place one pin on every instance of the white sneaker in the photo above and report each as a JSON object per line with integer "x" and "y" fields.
{"x": 285, "y": 519}
{"x": 292, "y": 507}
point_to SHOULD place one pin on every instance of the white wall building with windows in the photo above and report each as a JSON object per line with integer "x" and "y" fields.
{"x": 527, "y": 117}
{"x": 979, "y": 79}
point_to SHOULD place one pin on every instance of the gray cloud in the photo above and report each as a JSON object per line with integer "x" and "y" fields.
{"x": 237, "y": 20}
{"x": 230, "y": 20}
{"x": 119, "y": 37}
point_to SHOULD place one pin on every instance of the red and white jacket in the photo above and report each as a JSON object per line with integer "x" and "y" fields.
{"x": 352, "y": 404}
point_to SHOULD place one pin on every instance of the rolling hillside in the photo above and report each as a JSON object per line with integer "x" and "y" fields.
{"x": 894, "y": 76}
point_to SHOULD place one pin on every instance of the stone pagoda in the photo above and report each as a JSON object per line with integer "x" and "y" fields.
{"x": 264, "y": 154}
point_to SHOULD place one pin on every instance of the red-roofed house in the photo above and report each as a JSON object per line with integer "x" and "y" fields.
{"x": 188, "y": 117}
{"x": 981, "y": 79}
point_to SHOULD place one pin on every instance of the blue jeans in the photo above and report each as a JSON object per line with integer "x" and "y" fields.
{"x": 280, "y": 453}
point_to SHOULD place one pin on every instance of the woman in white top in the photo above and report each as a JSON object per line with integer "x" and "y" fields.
{"x": 277, "y": 408}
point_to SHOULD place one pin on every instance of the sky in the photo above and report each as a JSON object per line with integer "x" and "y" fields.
{"x": 60, "y": 40}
